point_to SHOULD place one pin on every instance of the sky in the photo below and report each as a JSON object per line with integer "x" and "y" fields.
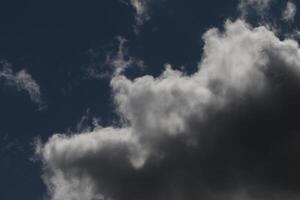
{"x": 149, "y": 100}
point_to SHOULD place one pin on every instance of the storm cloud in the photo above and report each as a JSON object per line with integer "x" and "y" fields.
{"x": 228, "y": 131}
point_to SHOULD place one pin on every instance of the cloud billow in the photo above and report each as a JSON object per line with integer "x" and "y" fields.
{"x": 229, "y": 131}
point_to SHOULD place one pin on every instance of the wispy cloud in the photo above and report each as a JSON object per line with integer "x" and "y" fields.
{"x": 22, "y": 81}
{"x": 260, "y": 6}
{"x": 115, "y": 62}
{"x": 141, "y": 9}
{"x": 290, "y": 11}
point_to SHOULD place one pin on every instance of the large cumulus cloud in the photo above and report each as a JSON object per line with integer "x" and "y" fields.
{"x": 229, "y": 131}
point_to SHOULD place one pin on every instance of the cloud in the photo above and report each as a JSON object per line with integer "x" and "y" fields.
{"x": 260, "y": 6}
{"x": 141, "y": 9}
{"x": 115, "y": 62}
{"x": 118, "y": 60}
{"x": 142, "y": 14}
{"x": 290, "y": 11}
{"x": 228, "y": 131}
{"x": 22, "y": 81}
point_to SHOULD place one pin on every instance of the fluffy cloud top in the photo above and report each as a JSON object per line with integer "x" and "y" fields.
{"x": 229, "y": 131}
{"x": 22, "y": 81}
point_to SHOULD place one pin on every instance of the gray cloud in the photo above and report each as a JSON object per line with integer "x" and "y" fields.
{"x": 115, "y": 62}
{"x": 229, "y": 131}
{"x": 22, "y": 81}
{"x": 290, "y": 11}
{"x": 141, "y": 9}
{"x": 260, "y": 6}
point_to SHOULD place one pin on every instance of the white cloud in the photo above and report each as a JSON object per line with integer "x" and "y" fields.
{"x": 22, "y": 81}
{"x": 290, "y": 11}
{"x": 165, "y": 146}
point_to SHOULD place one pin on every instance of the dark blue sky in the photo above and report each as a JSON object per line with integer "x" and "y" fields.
{"x": 53, "y": 41}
